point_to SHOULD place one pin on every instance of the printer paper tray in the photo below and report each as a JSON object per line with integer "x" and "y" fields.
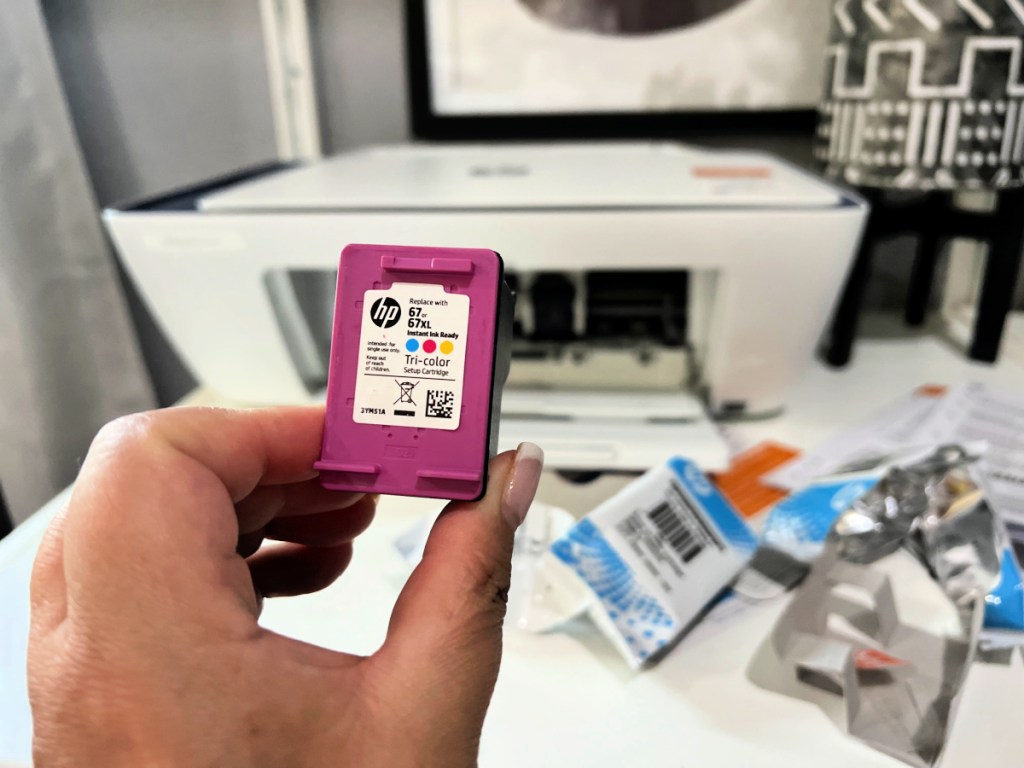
{"x": 617, "y": 445}
{"x": 637, "y": 407}
{"x": 614, "y": 442}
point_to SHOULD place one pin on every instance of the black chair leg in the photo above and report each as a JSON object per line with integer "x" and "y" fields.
{"x": 839, "y": 349}
{"x": 6, "y": 522}
{"x": 1002, "y": 268}
{"x": 922, "y": 277}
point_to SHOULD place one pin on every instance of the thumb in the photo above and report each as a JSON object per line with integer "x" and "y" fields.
{"x": 445, "y": 631}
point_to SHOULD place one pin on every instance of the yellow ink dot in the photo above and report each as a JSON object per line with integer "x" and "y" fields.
{"x": 447, "y": 347}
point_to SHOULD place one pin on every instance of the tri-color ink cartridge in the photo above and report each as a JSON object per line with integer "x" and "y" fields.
{"x": 419, "y": 356}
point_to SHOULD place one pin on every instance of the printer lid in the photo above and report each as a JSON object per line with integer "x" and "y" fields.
{"x": 524, "y": 176}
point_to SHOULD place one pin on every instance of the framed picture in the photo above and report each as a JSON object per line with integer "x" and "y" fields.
{"x": 483, "y": 69}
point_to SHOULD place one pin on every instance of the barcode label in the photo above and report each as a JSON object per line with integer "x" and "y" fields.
{"x": 677, "y": 535}
{"x": 708, "y": 534}
{"x": 682, "y": 526}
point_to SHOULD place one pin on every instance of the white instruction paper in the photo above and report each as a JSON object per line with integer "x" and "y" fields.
{"x": 890, "y": 433}
{"x": 966, "y": 415}
{"x": 976, "y": 413}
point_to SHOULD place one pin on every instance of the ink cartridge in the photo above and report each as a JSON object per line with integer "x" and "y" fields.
{"x": 419, "y": 356}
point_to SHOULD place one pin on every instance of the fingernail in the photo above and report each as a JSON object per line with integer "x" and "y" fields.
{"x": 522, "y": 484}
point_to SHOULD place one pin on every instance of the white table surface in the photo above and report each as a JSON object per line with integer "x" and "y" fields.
{"x": 567, "y": 699}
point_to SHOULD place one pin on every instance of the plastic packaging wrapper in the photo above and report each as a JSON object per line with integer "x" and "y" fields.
{"x": 799, "y": 524}
{"x": 542, "y": 597}
{"x": 890, "y": 614}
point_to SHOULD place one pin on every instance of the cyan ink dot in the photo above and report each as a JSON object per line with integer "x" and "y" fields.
{"x": 412, "y": 345}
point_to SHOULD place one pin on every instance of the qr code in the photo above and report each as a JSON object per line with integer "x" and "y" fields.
{"x": 440, "y": 404}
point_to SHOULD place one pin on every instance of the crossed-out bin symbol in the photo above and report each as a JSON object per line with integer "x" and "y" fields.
{"x": 405, "y": 392}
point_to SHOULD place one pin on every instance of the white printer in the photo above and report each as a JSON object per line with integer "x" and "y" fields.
{"x": 652, "y": 280}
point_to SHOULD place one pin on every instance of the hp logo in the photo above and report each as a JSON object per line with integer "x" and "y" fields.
{"x": 385, "y": 312}
{"x": 698, "y": 483}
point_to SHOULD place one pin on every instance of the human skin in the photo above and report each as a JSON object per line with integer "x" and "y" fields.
{"x": 145, "y": 646}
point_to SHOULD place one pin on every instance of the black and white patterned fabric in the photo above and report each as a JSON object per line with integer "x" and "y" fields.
{"x": 924, "y": 94}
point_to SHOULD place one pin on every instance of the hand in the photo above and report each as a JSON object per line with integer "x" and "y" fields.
{"x": 145, "y": 648}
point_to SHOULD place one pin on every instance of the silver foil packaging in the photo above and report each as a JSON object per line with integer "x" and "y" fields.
{"x": 889, "y": 615}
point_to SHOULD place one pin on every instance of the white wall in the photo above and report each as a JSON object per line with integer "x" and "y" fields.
{"x": 360, "y": 51}
{"x": 163, "y": 93}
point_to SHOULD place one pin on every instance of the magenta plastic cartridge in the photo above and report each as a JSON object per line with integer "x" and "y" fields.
{"x": 419, "y": 355}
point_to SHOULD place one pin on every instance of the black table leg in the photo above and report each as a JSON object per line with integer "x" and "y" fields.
{"x": 839, "y": 349}
{"x": 1002, "y": 268}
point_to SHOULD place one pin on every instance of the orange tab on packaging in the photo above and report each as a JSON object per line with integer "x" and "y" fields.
{"x": 931, "y": 390}
{"x": 741, "y": 484}
{"x": 869, "y": 659}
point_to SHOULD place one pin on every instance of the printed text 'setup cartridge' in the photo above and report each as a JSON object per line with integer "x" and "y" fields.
{"x": 419, "y": 355}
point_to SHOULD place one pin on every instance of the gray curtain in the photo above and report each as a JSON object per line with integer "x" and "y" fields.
{"x": 68, "y": 356}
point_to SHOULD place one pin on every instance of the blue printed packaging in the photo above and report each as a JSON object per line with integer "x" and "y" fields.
{"x": 655, "y": 555}
{"x": 1004, "y": 605}
{"x": 798, "y": 524}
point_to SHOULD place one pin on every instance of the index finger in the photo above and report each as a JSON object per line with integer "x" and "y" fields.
{"x": 244, "y": 448}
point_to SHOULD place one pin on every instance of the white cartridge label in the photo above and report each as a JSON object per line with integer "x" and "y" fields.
{"x": 412, "y": 357}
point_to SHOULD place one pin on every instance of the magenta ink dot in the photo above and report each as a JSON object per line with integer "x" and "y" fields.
{"x": 429, "y": 346}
